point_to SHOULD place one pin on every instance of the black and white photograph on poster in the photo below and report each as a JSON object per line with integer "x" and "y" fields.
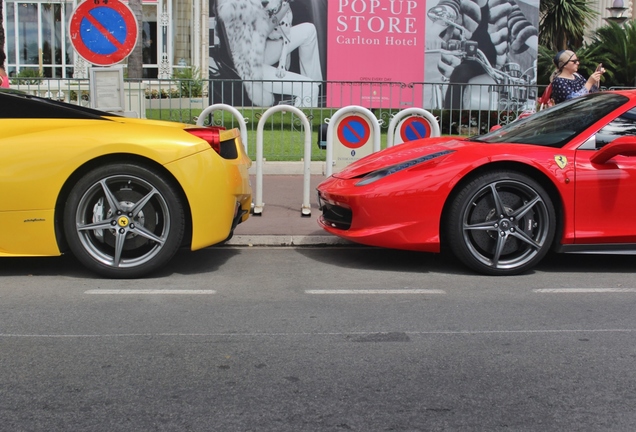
{"x": 491, "y": 44}
{"x": 264, "y": 53}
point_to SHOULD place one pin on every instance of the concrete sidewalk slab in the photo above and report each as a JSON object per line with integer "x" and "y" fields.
{"x": 289, "y": 168}
{"x": 286, "y": 240}
{"x": 281, "y": 223}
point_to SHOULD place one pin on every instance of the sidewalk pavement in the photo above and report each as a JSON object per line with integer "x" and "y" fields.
{"x": 281, "y": 223}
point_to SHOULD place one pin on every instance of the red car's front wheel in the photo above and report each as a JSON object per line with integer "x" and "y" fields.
{"x": 501, "y": 223}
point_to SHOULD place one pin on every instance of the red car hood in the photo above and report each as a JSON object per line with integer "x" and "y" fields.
{"x": 400, "y": 153}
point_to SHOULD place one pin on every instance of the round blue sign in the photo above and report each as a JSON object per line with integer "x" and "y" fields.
{"x": 354, "y": 132}
{"x": 415, "y": 128}
{"x": 107, "y": 42}
{"x": 103, "y": 32}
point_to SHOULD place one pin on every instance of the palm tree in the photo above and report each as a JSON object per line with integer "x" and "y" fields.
{"x": 613, "y": 45}
{"x": 545, "y": 66}
{"x": 563, "y": 23}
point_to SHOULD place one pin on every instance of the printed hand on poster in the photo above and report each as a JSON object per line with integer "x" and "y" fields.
{"x": 259, "y": 38}
{"x": 484, "y": 42}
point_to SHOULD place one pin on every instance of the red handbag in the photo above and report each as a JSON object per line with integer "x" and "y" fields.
{"x": 545, "y": 98}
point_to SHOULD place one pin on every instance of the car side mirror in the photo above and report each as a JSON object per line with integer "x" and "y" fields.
{"x": 623, "y": 146}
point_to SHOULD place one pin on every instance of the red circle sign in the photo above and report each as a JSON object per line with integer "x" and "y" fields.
{"x": 415, "y": 128}
{"x": 354, "y": 131}
{"x": 103, "y": 32}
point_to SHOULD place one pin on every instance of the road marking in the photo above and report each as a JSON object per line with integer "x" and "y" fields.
{"x": 148, "y": 291}
{"x": 377, "y": 291}
{"x": 584, "y": 290}
{"x": 325, "y": 334}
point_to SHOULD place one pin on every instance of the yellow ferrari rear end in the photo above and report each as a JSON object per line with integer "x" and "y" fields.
{"x": 121, "y": 194}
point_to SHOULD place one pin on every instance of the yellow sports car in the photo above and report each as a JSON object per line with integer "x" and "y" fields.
{"x": 121, "y": 194}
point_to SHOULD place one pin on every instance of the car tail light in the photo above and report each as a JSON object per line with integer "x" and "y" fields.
{"x": 210, "y": 134}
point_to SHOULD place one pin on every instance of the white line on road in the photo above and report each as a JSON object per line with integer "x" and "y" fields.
{"x": 148, "y": 291}
{"x": 377, "y": 291}
{"x": 584, "y": 290}
{"x": 327, "y": 334}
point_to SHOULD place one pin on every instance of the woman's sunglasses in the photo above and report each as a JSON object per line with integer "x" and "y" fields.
{"x": 574, "y": 61}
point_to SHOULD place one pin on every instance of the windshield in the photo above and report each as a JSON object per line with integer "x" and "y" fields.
{"x": 556, "y": 126}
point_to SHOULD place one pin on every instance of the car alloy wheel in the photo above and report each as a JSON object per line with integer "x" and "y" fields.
{"x": 501, "y": 223}
{"x": 123, "y": 220}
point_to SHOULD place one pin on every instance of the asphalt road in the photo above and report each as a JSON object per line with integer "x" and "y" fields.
{"x": 340, "y": 339}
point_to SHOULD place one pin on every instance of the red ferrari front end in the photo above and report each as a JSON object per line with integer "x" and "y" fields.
{"x": 392, "y": 199}
{"x": 561, "y": 179}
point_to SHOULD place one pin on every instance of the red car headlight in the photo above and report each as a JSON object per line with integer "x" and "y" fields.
{"x": 381, "y": 173}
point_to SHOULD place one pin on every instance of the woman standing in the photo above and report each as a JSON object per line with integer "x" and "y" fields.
{"x": 4, "y": 79}
{"x": 567, "y": 83}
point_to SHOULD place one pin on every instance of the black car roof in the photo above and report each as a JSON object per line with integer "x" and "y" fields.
{"x": 19, "y": 105}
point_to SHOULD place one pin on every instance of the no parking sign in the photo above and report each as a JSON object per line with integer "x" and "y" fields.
{"x": 103, "y": 32}
{"x": 411, "y": 124}
{"x": 353, "y": 139}
{"x": 354, "y": 132}
{"x": 413, "y": 128}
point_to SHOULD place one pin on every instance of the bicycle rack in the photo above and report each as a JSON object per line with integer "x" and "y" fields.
{"x": 305, "y": 209}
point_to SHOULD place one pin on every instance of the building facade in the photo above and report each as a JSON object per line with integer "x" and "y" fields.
{"x": 175, "y": 35}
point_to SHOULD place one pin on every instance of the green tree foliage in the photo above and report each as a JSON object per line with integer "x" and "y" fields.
{"x": 615, "y": 47}
{"x": 545, "y": 66}
{"x": 190, "y": 82}
{"x": 563, "y": 23}
{"x": 611, "y": 45}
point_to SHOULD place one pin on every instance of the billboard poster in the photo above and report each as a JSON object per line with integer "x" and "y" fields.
{"x": 276, "y": 48}
{"x": 374, "y": 53}
{"x": 377, "y": 45}
{"x": 489, "y": 43}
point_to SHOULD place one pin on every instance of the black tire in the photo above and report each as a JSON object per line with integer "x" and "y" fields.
{"x": 123, "y": 220}
{"x": 501, "y": 223}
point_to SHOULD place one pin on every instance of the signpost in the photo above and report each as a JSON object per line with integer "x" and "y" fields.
{"x": 355, "y": 134}
{"x": 103, "y": 32}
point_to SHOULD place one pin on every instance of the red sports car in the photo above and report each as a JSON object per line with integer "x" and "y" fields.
{"x": 563, "y": 178}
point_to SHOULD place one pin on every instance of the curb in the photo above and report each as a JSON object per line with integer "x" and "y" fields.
{"x": 285, "y": 240}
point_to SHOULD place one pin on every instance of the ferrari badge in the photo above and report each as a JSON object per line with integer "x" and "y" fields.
{"x": 561, "y": 161}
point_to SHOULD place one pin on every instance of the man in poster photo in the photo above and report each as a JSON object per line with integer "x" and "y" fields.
{"x": 260, "y": 39}
{"x": 497, "y": 28}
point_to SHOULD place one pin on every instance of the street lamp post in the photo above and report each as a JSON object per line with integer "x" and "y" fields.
{"x": 616, "y": 12}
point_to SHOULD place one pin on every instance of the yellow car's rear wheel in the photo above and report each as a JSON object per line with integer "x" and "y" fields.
{"x": 124, "y": 220}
